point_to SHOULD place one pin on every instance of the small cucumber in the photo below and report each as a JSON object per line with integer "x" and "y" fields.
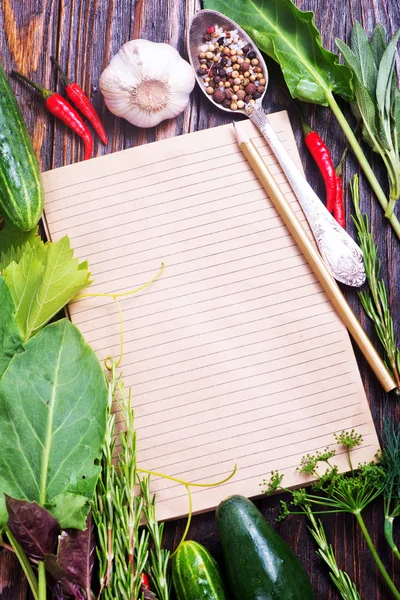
{"x": 21, "y": 190}
{"x": 195, "y": 574}
{"x": 259, "y": 564}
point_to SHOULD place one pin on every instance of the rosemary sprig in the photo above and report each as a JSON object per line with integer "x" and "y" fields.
{"x": 159, "y": 557}
{"x": 123, "y": 546}
{"x": 375, "y": 300}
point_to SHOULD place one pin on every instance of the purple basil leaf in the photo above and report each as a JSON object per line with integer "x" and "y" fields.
{"x": 32, "y": 526}
{"x": 61, "y": 587}
{"x": 73, "y": 566}
{"x": 147, "y": 594}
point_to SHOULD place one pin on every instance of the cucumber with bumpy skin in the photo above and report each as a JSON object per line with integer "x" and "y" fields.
{"x": 195, "y": 574}
{"x": 21, "y": 190}
{"x": 259, "y": 564}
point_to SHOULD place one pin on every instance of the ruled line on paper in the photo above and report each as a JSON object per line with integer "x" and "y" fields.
{"x": 235, "y": 348}
{"x": 240, "y": 346}
{"x": 218, "y": 444}
{"x": 229, "y": 438}
{"x": 255, "y": 139}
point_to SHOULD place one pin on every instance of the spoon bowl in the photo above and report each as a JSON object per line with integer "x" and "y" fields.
{"x": 195, "y": 38}
{"x": 341, "y": 254}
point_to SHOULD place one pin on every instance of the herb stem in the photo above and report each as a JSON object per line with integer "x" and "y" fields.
{"x": 388, "y": 530}
{"x": 362, "y": 160}
{"x": 375, "y": 555}
{"x": 25, "y": 564}
{"x": 42, "y": 581}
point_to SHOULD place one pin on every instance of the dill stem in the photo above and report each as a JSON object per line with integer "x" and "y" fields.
{"x": 375, "y": 555}
{"x": 388, "y": 529}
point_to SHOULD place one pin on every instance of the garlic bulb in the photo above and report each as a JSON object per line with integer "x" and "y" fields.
{"x": 147, "y": 83}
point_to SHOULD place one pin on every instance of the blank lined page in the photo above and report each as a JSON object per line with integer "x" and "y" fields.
{"x": 235, "y": 354}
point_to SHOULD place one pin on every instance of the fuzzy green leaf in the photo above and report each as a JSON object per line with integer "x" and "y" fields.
{"x": 361, "y": 48}
{"x": 378, "y": 43}
{"x": 385, "y": 75}
{"x": 10, "y": 337}
{"x": 53, "y": 403}
{"x": 43, "y": 281}
{"x": 290, "y": 37}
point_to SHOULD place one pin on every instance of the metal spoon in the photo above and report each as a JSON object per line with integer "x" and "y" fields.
{"x": 341, "y": 254}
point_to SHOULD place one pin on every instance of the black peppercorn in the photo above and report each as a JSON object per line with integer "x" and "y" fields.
{"x": 222, "y": 73}
{"x": 220, "y": 41}
{"x": 256, "y": 95}
{"x": 251, "y": 55}
{"x": 224, "y": 61}
{"x": 246, "y": 49}
{"x": 217, "y": 79}
{"x": 214, "y": 71}
{"x": 226, "y": 103}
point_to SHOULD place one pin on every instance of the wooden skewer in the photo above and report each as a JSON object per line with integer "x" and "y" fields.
{"x": 314, "y": 259}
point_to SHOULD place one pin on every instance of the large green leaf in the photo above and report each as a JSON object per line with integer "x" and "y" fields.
{"x": 53, "y": 403}
{"x": 290, "y": 37}
{"x": 42, "y": 279}
{"x": 10, "y": 337}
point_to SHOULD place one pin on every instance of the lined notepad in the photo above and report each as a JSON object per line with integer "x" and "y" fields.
{"x": 235, "y": 354}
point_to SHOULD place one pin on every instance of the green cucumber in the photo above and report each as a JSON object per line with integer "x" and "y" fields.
{"x": 21, "y": 190}
{"x": 259, "y": 564}
{"x": 195, "y": 574}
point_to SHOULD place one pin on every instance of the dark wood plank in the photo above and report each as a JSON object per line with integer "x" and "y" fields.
{"x": 84, "y": 35}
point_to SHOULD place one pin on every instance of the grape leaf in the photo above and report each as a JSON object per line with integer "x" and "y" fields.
{"x": 33, "y": 527}
{"x": 10, "y": 337}
{"x": 42, "y": 280}
{"x": 290, "y": 37}
{"x": 10, "y": 237}
{"x": 53, "y": 402}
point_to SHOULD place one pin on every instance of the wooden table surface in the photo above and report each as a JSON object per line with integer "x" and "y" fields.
{"x": 84, "y": 35}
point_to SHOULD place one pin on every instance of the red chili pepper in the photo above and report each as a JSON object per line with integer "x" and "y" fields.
{"x": 76, "y": 94}
{"x": 338, "y": 208}
{"x": 62, "y": 109}
{"x": 145, "y": 581}
{"x": 322, "y": 157}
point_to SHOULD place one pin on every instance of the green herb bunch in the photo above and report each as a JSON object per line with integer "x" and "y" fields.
{"x": 335, "y": 492}
{"x": 377, "y": 97}
{"x": 375, "y": 300}
{"x": 123, "y": 546}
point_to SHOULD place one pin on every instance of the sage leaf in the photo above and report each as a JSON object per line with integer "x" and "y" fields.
{"x": 351, "y": 59}
{"x": 10, "y": 336}
{"x": 290, "y": 37}
{"x": 378, "y": 43}
{"x": 33, "y": 527}
{"x": 53, "y": 403}
{"x": 44, "y": 279}
{"x": 74, "y": 561}
{"x": 361, "y": 48}
{"x": 385, "y": 75}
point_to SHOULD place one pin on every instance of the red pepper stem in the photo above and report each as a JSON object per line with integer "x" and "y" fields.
{"x": 45, "y": 93}
{"x": 66, "y": 81}
{"x": 306, "y": 128}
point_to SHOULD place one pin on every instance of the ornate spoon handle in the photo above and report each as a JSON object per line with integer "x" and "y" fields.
{"x": 339, "y": 251}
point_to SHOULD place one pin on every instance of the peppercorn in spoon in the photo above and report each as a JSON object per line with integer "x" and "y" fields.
{"x": 233, "y": 75}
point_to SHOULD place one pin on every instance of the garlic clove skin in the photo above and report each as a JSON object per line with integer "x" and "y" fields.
{"x": 147, "y": 83}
